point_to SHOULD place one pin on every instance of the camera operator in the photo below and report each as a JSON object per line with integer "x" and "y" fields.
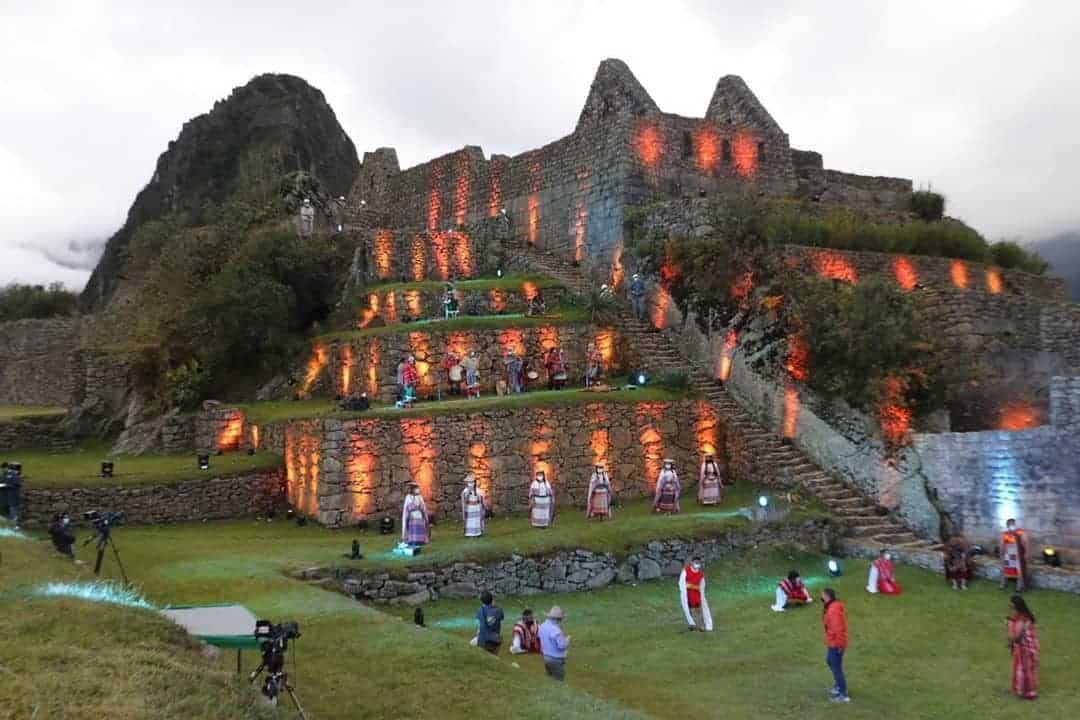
{"x": 63, "y": 537}
{"x": 10, "y": 484}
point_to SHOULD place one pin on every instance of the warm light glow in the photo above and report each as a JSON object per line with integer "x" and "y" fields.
{"x": 360, "y": 474}
{"x": 461, "y": 187}
{"x": 599, "y": 441}
{"x": 314, "y": 367}
{"x": 895, "y": 418}
{"x": 660, "y": 307}
{"x": 906, "y": 277}
{"x": 534, "y": 217}
{"x": 459, "y": 343}
{"x": 419, "y": 262}
{"x": 514, "y": 339}
{"x": 370, "y": 312}
{"x": 791, "y": 411}
{"x": 391, "y": 307}
{"x": 231, "y": 433}
{"x": 649, "y": 145}
{"x": 373, "y": 369}
{"x": 462, "y": 254}
{"x": 616, "y": 265}
{"x": 255, "y": 438}
{"x": 1019, "y": 415}
{"x": 993, "y": 281}
{"x": 480, "y": 466}
{"x": 581, "y": 215}
{"x": 833, "y": 266}
{"x": 533, "y": 202}
{"x": 744, "y": 154}
{"x": 543, "y": 431}
{"x": 797, "y": 358}
{"x": 648, "y": 416}
{"x": 434, "y": 196}
{"x": 498, "y": 300}
{"x": 420, "y": 344}
{"x": 495, "y": 191}
{"x": 417, "y": 436}
{"x": 528, "y": 290}
{"x": 741, "y": 287}
{"x": 440, "y": 249}
{"x": 706, "y": 148}
{"x": 414, "y": 303}
{"x": 302, "y": 470}
{"x": 548, "y": 337}
{"x": 706, "y": 427}
{"x": 723, "y": 365}
{"x": 346, "y": 369}
{"x": 605, "y": 344}
{"x": 958, "y": 273}
{"x": 384, "y": 253}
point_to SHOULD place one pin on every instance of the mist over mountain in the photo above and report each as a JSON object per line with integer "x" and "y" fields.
{"x": 1063, "y": 253}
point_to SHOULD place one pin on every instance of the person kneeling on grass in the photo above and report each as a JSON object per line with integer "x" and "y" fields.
{"x": 489, "y": 624}
{"x": 791, "y": 592}
{"x": 692, "y": 596}
{"x": 526, "y": 638}
{"x": 882, "y": 578}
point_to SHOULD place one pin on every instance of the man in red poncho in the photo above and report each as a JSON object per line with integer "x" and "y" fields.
{"x": 882, "y": 575}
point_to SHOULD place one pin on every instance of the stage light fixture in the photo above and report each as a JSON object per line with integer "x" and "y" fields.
{"x": 834, "y": 568}
{"x": 251, "y": 451}
{"x": 642, "y": 378}
{"x": 1051, "y": 557}
{"x": 106, "y": 468}
{"x": 498, "y": 273}
{"x": 386, "y": 525}
{"x": 203, "y": 460}
{"x": 763, "y": 501}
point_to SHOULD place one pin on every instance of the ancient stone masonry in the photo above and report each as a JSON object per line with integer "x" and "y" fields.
{"x": 41, "y": 433}
{"x": 814, "y": 182}
{"x": 389, "y": 307}
{"x": 193, "y": 500}
{"x": 38, "y": 362}
{"x": 567, "y": 571}
{"x": 340, "y": 471}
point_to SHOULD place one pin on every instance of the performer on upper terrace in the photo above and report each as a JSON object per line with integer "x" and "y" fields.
{"x": 536, "y": 305}
{"x": 1014, "y": 555}
{"x": 692, "y": 596}
{"x": 882, "y": 578}
{"x": 415, "y": 523}
{"x": 541, "y": 501}
{"x": 959, "y": 564}
{"x": 637, "y": 297}
{"x": 555, "y": 364}
{"x": 514, "y": 367}
{"x": 471, "y": 366}
{"x": 473, "y": 508}
{"x": 410, "y": 378}
{"x": 666, "y": 499}
{"x": 710, "y": 482}
{"x": 594, "y": 365}
{"x": 791, "y": 592}
{"x": 450, "y": 302}
{"x": 601, "y": 495}
{"x": 455, "y": 374}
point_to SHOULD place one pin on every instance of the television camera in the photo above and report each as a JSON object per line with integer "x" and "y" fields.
{"x": 274, "y": 643}
{"x": 103, "y": 523}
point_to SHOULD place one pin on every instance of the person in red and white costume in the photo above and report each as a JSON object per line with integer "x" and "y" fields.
{"x": 692, "y": 596}
{"x": 791, "y": 592}
{"x": 882, "y": 575}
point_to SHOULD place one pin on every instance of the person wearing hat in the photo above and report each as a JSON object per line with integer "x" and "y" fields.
{"x": 637, "y": 297}
{"x": 668, "y": 489}
{"x": 710, "y": 482}
{"x": 541, "y": 501}
{"x": 594, "y": 365}
{"x": 600, "y": 495}
{"x": 473, "y": 508}
{"x": 554, "y": 644}
{"x": 415, "y": 523}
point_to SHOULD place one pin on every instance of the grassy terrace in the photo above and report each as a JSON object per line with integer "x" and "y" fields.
{"x": 279, "y": 410}
{"x": 31, "y": 413}
{"x": 81, "y": 467}
{"x": 512, "y": 281}
{"x": 559, "y": 316}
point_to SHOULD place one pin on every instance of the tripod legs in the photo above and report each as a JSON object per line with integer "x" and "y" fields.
{"x": 296, "y": 701}
{"x": 116, "y": 554}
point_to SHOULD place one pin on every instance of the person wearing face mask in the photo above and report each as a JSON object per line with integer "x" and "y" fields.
{"x": 692, "y": 596}
{"x": 415, "y": 524}
{"x": 600, "y": 495}
{"x": 791, "y": 592}
{"x": 473, "y": 508}
{"x": 61, "y": 534}
{"x": 1013, "y": 551}
{"x": 541, "y": 501}
{"x": 883, "y": 576}
{"x": 668, "y": 489}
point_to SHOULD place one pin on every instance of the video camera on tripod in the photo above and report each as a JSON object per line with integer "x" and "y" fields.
{"x": 274, "y": 642}
{"x": 103, "y": 523}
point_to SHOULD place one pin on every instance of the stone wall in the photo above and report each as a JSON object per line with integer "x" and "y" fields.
{"x": 38, "y": 433}
{"x": 832, "y": 186}
{"x": 389, "y": 307}
{"x": 341, "y": 471}
{"x": 39, "y": 362}
{"x": 192, "y": 500}
{"x": 220, "y": 428}
{"x": 369, "y": 364}
{"x": 414, "y": 254}
{"x": 567, "y": 571}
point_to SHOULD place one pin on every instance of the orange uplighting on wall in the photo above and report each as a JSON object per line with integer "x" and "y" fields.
{"x": 462, "y": 254}
{"x": 420, "y": 344}
{"x": 993, "y": 281}
{"x": 495, "y": 189}
{"x": 548, "y": 337}
{"x": 360, "y": 472}
{"x": 480, "y": 466}
{"x": 314, "y": 367}
{"x": 616, "y": 265}
{"x": 414, "y": 303}
{"x": 834, "y": 266}
{"x": 513, "y": 339}
{"x": 534, "y": 217}
{"x": 384, "y": 253}
{"x": 418, "y": 261}
{"x": 542, "y": 433}
{"x": 391, "y": 307}
{"x": 598, "y": 436}
{"x": 895, "y": 418}
{"x": 648, "y": 416}
{"x": 791, "y": 411}
{"x": 370, "y": 312}
{"x": 302, "y": 471}
{"x": 958, "y": 273}
{"x": 744, "y": 154}
{"x": 346, "y": 369}
{"x": 533, "y": 202}
{"x": 440, "y": 250}
{"x": 528, "y": 290}
{"x": 581, "y": 213}
{"x": 255, "y": 437}
{"x": 498, "y": 300}
{"x": 741, "y": 288}
{"x": 705, "y": 428}
{"x": 706, "y": 148}
{"x": 417, "y": 435}
{"x": 797, "y": 358}
{"x": 649, "y": 145}
{"x": 231, "y": 433}
{"x": 905, "y": 274}
{"x": 373, "y": 368}
{"x": 605, "y": 344}
{"x": 434, "y": 196}
{"x": 723, "y": 365}
{"x": 660, "y": 307}
{"x": 1019, "y": 415}
{"x": 461, "y": 187}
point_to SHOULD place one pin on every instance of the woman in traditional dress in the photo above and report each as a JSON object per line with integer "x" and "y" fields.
{"x": 710, "y": 482}
{"x": 473, "y": 508}
{"x": 415, "y": 524}
{"x": 600, "y": 495}
{"x": 1024, "y": 644}
{"x": 410, "y": 378}
{"x": 594, "y": 365}
{"x": 668, "y": 489}
{"x": 541, "y": 501}
{"x": 958, "y": 563}
{"x": 471, "y": 364}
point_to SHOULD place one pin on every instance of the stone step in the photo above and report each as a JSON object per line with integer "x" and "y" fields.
{"x": 872, "y": 531}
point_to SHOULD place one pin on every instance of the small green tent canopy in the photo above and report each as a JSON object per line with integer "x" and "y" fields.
{"x": 224, "y": 626}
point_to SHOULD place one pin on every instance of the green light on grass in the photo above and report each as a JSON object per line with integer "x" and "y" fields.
{"x": 102, "y": 592}
{"x": 6, "y": 532}
{"x": 455, "y": 623}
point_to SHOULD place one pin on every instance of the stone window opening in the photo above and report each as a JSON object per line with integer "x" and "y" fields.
{"x": 687, "y": 146}
{"x": 725, "y": 151}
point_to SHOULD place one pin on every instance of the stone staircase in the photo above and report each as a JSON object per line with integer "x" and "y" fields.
{"x": 779, "y": 462}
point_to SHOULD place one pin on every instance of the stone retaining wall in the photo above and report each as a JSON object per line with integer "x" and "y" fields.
{"x": 38, "y": 361}
{"x": 39, "y": 433}
{"x": 192, "y": 500}
{"x": 567, "y": 571}
{"x": 389, "y": 307}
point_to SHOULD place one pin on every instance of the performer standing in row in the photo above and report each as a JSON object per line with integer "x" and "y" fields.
{"x": 471, "y": 365}
{"x": 1014, "y": 551}
{"x": 449, "y": 362}
{"x": 594, "y": 365}
{"x": 882, "y": 578}
{"x": 601, "y": 494}
{"x": 415, "y": 523}
{"x": 959, "y": 566}
{"x": 710, "y": 482}
{"x": 473, "y": 508}
{"x": 450, "y": 302}
{"x": 541, "y": 501}
{"x": 410, "y": 378}
{"x": 692, "y": 596}
{"x": 668, "y": 489}
{"x": 555, "y": 365}
{"x": 513, "y": 371}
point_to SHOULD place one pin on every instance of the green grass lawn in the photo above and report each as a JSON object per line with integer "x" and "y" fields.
{"x": 511, "y": 281}
{"x": 81, "y": 467}
{"x": 280, "y": 410}
{"x": 557, "y": 316}
{"x": 30, "y": 412}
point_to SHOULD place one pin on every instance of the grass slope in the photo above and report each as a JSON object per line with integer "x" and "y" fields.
{"x": 30, "y": 412}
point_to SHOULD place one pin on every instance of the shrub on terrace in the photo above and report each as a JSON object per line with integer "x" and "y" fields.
{"x": 20, "y": 302}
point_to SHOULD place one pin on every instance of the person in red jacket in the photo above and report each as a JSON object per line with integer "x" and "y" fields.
{"x": 882, "y": 577}
{"x": 836, "y": 640}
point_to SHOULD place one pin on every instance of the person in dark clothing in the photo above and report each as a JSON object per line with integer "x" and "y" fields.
{"x": 637, "y": 297}
{"x": 63, "y": 537}
{"x": 489, "y": 624}
{"x": 10, "y": 485}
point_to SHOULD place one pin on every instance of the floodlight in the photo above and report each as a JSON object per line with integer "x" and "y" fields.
{"x": 106, "y": 468}
{"x": 386, "y": 525}
{"x": 834, "y": 568}
{"x": 1051, "y": 557}
{"x": 763, "y": 501}
{"x": 204, "y": 461}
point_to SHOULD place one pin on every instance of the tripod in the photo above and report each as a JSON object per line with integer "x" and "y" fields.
{"x": 104, "y": 538}
{"x": 275, "y": 681}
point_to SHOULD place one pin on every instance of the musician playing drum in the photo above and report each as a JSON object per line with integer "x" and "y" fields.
{"x": 556, "y": 368}
{"x": 451, "y": 365}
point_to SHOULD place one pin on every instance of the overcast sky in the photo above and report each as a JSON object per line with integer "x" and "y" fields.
{"x": 978, "y": 99}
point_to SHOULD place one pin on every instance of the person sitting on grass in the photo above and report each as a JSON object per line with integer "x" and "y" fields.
{"x": 526, "y": 638}
{"x": 882, "y": 578}
{"x": 61, "y": 534}
{"x": 489, "y": 624}
{"x": 791, "y": 592}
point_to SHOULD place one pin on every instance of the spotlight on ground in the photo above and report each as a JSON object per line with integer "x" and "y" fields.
{"x": 763, "y": 501}
{"x": 834, "y": 568}
{"x": 641, "y": 378}
{"x": 204, "y": 461}
{"x": 386, "y": 525}
{"x": 498, "y": 273}
{"x": 106, "y": 468}
{"x": 1051, "y": 557}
